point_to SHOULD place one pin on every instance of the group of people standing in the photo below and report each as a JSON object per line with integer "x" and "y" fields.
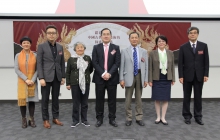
{"x": 132, "y": 68}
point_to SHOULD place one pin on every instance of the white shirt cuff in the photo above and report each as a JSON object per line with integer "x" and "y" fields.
{"x": 104, "y": 73}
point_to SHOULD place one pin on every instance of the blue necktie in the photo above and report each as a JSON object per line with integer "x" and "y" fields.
{"x": 135, "y": 62}
{"x": 194, "y": 48}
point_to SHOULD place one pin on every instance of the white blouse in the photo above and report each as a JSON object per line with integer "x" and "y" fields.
{"x": 163, "y": 53}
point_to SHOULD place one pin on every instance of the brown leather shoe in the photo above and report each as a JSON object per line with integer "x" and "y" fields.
{"x": 47, "y": 124}
{"x": 56, "y": 121}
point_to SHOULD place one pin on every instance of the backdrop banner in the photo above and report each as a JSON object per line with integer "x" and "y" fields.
{"x": 88, "y": 33}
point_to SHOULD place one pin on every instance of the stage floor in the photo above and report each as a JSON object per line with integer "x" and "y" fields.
{"x": 10, "y": 124}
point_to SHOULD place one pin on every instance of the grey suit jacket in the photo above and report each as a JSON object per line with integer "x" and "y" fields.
{"x": 47, "y": 65}
{"x": 127, "y": 66}
{"x": 154, "y": 66}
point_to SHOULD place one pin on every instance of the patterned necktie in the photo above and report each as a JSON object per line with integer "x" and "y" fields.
{"x": 106, "y": 57}
{"x": 135, "y": 62}
{"x": 194, "y": 48}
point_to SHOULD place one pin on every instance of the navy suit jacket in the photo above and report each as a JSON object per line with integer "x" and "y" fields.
{"x": 98, "y": 59}
{"x": 191, "y": 64}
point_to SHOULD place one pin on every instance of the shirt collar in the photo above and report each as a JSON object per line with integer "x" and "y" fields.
{"x": 193, "y": 43}
{"x": 137, "y": 47}
{"x": 107, "y": 44}
{"x": 159, "y": 51}
{"x": 51, "y": 44}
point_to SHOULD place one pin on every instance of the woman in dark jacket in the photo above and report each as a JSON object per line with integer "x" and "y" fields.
{"x": 161, "y": 77}
{"x": 79, "y": 68}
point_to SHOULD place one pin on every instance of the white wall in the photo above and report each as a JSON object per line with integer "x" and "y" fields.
{"x": 208, "y": 33}
{"x": 6, "y": 43}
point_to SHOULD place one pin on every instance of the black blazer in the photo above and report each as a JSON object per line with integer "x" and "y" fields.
{"x": 98, "y": 59}
{"x": 47, "y": 65}
{"x": 190, "y": 64}
{"x": 72, "y": 73}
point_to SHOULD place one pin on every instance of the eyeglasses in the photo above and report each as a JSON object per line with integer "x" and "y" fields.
{"x": 51, "y": 33}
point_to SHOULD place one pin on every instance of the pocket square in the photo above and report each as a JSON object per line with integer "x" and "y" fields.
{"x": 113, "y": 52}
{"x": 142, "y": 59}
{"x": 60, "y": 52}
{"x": 200, "y": 52}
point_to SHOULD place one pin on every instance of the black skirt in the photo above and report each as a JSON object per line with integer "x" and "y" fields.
{"x": 161, "y": 89}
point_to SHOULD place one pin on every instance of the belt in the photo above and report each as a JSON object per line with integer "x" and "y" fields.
{"x": 139, "y": 71}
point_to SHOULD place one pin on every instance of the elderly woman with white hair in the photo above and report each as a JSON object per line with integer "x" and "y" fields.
{"x": 79, "y": 68}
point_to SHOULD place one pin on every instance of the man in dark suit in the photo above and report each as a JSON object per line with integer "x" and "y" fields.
{"x": 106, "y": 61}
{"x": 51, "y": 73}
{"x": 193, "y": 69}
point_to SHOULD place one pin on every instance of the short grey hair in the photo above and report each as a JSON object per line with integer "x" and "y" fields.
{"x": 193, "y": 28}
{"x": 76, "y": 44}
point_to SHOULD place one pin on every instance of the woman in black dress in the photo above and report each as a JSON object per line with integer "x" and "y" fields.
{"x": 161, "y": 77}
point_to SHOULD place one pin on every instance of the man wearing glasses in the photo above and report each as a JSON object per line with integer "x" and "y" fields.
{"x": 51, "y": 73}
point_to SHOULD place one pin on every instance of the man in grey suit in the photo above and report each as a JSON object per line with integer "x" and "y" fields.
{"x": 51, "y": 73}
{"x": 134, "y": 75}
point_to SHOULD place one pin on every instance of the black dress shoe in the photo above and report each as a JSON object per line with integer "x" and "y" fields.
{"x": 98, "y": 123}
{"x": 187, "y": 121}
{"x": 128, "y": 123}
{"x": 113, "y": 123}
{"x": 199, "y": 121}
{"x": 164, "y": 123}
{"x": 157, "y": 122}
{"x": 141, "y": 123}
